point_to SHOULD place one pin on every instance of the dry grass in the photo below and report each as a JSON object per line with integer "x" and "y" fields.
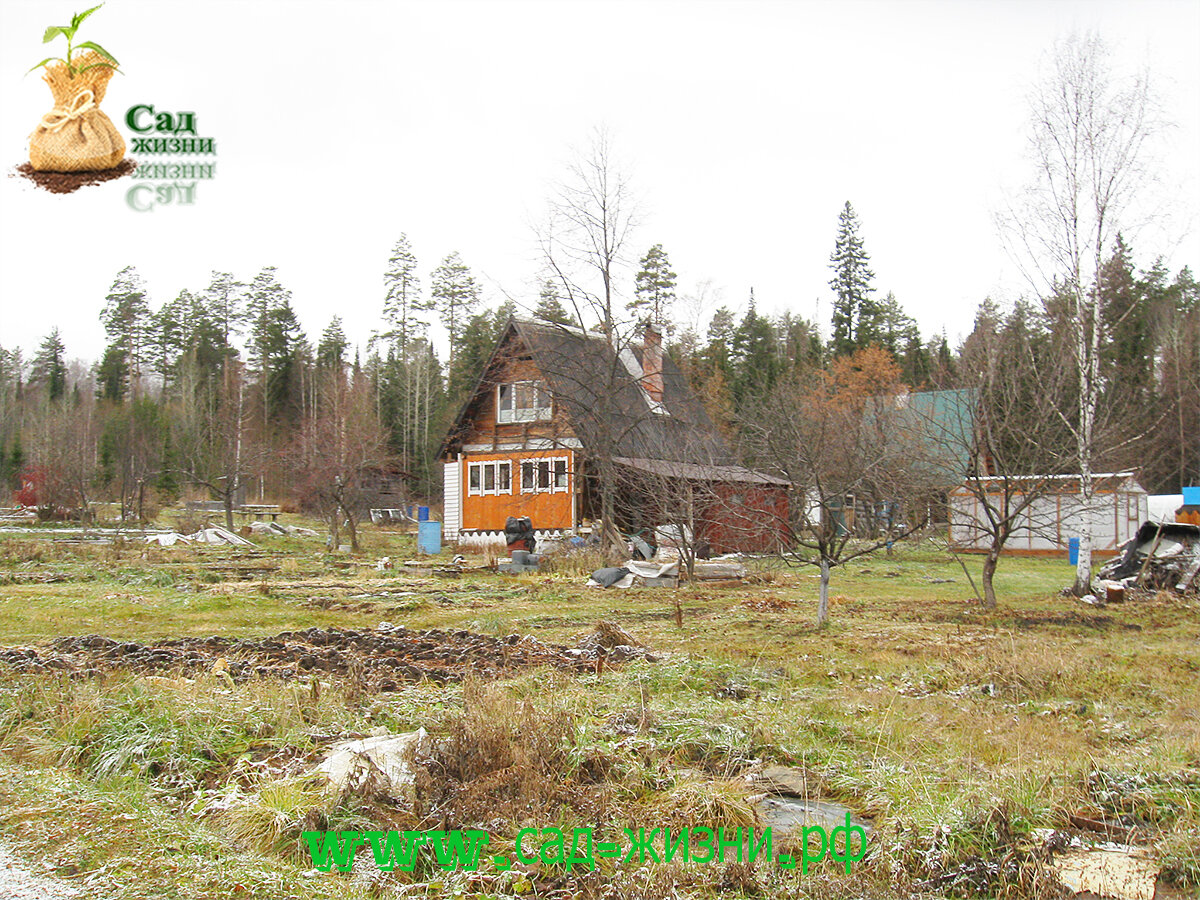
{"x": 957, "y": 730}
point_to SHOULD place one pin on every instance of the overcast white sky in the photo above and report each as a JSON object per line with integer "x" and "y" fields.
{"x": 745, "y": 126}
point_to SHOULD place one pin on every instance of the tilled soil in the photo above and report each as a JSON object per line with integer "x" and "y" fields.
{"x": 380, "y": 658}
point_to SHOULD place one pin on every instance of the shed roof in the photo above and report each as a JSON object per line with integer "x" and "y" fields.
{"x": 1107, "y": 482}
{"x": 694, "y": 472}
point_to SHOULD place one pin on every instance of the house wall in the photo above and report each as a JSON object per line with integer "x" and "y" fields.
{"x": 1051, "y": 521}
{"x": 485, "y": 429}
{"x": 746, "y": 518}
{"x": 488, "y": 440}
{"x": 547, "y": 509}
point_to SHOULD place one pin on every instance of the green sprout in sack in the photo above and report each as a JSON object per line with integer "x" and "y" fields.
{"x": 68, "y": 31}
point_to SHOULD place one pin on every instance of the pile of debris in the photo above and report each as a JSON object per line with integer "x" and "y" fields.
{"x": 381, "y": 657}
{"x": 610, "y": 642}
{"x": 667, "y": 573}
{"x": 1161, "y": 557}
{"x": 275, "y": 529}
{"x": 215, "y": 534}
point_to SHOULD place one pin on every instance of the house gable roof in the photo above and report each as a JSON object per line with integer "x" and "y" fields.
{"x": 598, "y": 387}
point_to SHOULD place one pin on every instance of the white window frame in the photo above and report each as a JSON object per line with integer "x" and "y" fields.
{"x": 554, "y": 487}
{"x": 513, "y": 414}
{"x": 496, "y": 466}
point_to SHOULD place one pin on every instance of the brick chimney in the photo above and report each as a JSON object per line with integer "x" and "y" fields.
{"x": 652, "y": 362}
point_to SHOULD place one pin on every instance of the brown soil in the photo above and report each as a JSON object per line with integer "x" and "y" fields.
{"x": 69, "y": 182}
{"x": 379, "y": 658}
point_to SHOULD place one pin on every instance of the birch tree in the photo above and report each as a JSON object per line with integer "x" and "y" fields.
{"x": 1089, "y": 138}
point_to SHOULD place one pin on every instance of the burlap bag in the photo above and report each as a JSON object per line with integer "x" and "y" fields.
{"x": 76, "y": 136}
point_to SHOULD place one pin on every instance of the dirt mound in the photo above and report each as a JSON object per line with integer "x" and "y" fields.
{"x": 380, "y": 658}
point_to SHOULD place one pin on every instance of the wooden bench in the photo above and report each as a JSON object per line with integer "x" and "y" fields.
{"x": 258, "y": 512}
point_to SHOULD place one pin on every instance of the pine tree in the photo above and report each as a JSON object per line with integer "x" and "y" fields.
{"x": 48, "y": 368}
{"x": 855, "y": 314}
{"x": 168, "y": 335}
{"x": 455, "y": 295}
{"x": 224, "y": 298}
{"x": 654, "y": 286}
{"x": 402, "y": 302}
{"x": 127, "y": 322}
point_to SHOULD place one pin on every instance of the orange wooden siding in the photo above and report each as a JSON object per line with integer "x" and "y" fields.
{"x": 545, "y": 508}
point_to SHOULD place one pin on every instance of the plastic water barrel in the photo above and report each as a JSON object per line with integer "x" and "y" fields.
{"x": 429, "y": 537}
{"x": 1073, "y": 550}
{"x": 1191, "y": 496}
{"x": 422, "y": 513}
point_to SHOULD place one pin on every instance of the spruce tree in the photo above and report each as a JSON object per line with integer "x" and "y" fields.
{"x": 455, "y": 295}
{"x": 168, "y": 476}
{"x": 754, "y": 356}
{"x": 550, "y": 306}
{"x": 273, "y": 334}
{"x": 48, "y": 368}
{"x": 331, "y": 351}
{"x": 112, "y": 375}
{"x": 855, "y": 314}
{"x": 1127, "y": 354}
{"x": 16, "y": 462}
{"x": 720, "y": 339}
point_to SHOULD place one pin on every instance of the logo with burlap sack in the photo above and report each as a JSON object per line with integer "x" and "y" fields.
{"x": 76, "y": 135}
{"x": 75, "y": 143}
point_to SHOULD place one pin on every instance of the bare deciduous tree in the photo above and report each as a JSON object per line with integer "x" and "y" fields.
{"x": 215, "y": 451}
{"x": 583, "y": 241}
{"x": 335, "y": 450}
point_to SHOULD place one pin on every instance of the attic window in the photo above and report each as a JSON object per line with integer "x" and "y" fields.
{"x": 522, "y": 401}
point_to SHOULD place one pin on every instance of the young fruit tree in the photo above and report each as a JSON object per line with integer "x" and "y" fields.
{"x": 997, "y": 440}
{"x": 840, "y": 441}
